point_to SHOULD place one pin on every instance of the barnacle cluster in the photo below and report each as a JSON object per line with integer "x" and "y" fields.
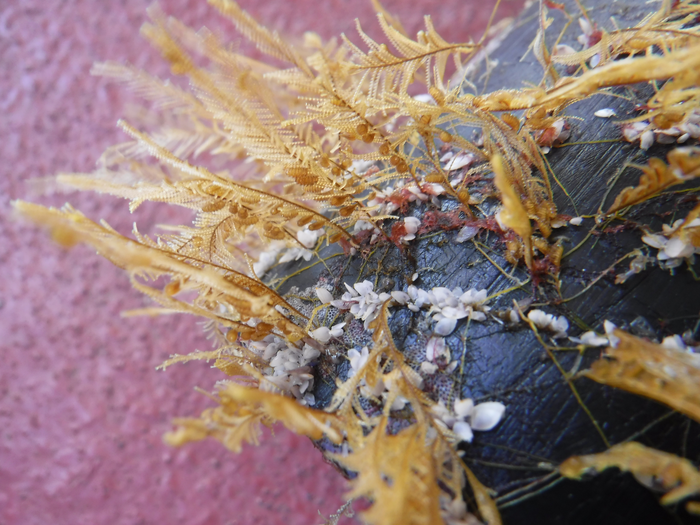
{"x": 341, "y": 152}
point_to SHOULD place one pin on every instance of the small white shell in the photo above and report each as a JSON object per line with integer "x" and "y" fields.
{"x": 675, "y": 342}
{"x": 309, "y": 399}
{"x": 463, "y": 431}
{"x": 364, "y": 287}
{"x": 605, "y": 113}
{"x": 310, "y": 353}
{"x": 322, "y": 334}
{"x": 576, "y": 221}
{"x": 609, "y": 328}
{"x": 428, "y": 368}
{"x": 487, "y": 415}
{"x": 447, "y": 156}
{"x": 337, "y": 330}
{"x": 459, "y": 161}
{"x": 647, "y": 140}
{"x": 677, "y": 248}
{"x": 464, "y": 407}
{"x": 400, "y": 297}
{"x": 308, "y": 238}
{"x": 662, "y": 138}
{"x": 445, "y": 326}
{"x": 466, "y": 233}
{"x": 435, "y": 348}
{"x": 655, "y": 241}
{"x": 411, "y": 224}
{"x": 324, "y": 295}
{"x": 590, "y": 338}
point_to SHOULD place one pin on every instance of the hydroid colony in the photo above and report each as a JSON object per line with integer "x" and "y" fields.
{"x": 328, "y": 144}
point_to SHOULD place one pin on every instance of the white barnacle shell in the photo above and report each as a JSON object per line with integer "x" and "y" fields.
{"x": 322, "y": 334}
{"x": 609, "y": 328}
{"x": 428, "y": 368}
{"x": 357, "y": 360}
{"x": 605, "y": 113}
{"x": 435, "y": 348}
{"x": 463, "y": 431}
{"x": 466, "y": 233}
{"x": 308, "y": 238}
{"x": 647, "y": 140}
{"x": 590, "y": 338}
{"x": 324, "y": 295}
{"x": 445, "y": 326}
{"x": 400, "y": 297}
{"x": 464, "y": 407}
{"x": 459, "y": 161}
{"x": 486, "y": 416}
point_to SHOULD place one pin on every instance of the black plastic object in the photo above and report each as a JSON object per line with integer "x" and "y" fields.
{"x": 544, "y": 422}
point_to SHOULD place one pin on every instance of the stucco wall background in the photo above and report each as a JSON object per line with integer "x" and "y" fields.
{"x": 82, "y": 408}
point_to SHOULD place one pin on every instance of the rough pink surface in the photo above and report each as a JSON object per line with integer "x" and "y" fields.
{"x": 82, "y": 408}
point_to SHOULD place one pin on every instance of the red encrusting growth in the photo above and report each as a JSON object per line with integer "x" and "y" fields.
{"x": 398, "y": 230}
{"x": 439, "y": 220}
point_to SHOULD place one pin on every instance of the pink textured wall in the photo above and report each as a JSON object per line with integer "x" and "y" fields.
{"x": 82, "y": 408}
